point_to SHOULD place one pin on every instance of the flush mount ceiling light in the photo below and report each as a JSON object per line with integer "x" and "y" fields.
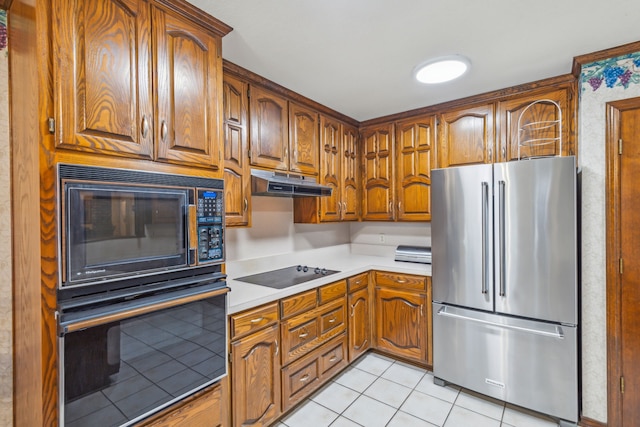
{"x": 442, "y": 69}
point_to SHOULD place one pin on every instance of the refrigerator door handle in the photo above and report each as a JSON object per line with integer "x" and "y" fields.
{"x": 559, "y": 334}
{"x": 485, "y": 231}
{"x": 501, "y": 222}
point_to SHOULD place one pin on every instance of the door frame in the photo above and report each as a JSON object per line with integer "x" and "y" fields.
{"x": 613, "y": 241}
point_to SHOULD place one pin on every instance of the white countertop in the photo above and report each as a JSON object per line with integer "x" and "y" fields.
{"x": 349, "y": 259}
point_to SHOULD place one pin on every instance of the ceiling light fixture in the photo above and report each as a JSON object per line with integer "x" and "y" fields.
{"x": 442, "y": 70}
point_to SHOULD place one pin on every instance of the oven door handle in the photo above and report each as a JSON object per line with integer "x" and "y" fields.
{"x": 146, "y": 305}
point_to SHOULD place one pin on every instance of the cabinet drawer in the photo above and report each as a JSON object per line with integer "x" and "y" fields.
{"x": 334, "y": 357}
{"x": 306, "y": 331}
{"x": 358, "y": 282}
{"x": 332, "y": 291}
{"x": 246, "y": 322}
{"x": 402, "y": 281}
{"x": 332, "y": 319}
{"x": 298, "y": 303}
{"x": 304, "y": 376}
{"x": 299, "y": 380}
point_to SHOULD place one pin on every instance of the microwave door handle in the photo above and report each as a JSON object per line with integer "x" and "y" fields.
{"x": 193, "y": 234}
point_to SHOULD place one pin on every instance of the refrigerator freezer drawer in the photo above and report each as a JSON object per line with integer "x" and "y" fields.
{"x": 526, "y": 363}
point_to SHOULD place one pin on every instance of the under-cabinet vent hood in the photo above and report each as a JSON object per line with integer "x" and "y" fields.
{"x": 282, "y": 184}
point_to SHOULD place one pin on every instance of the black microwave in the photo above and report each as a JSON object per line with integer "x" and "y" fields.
{"x": 118, "y": 224}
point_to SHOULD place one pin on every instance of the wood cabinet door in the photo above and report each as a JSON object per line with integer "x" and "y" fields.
{"x": 401, "y": 323}
{"x": 269, "y": 138}
{"x": 330, "y": 168}
{"x": 255, "y": 376}
{"x": 350, "y": 178}
{"x": 102, "y": 76}
{"x": 544, "y": 118}
{"x": 189, "y": 92}
{"x": 466, "y": 137}
{"x": 303, "y": 140}
{"x": 415, "y": 140}
{"x": 237, "y": 175}
{"x": 359, "y": 323}
{"x": 377, "y": 189}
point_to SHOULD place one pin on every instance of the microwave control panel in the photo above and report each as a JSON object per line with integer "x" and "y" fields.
{"x": 210, "y": 216}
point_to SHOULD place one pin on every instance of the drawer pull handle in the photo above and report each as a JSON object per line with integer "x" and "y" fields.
{"x": 303, "y": 335}
{"x": 333, "y": 358}
{"x": 402, "y": 281}
{"x": 258, "y": 320}
{"x": 332, "y": 320}
{"x": 304, "y": 378}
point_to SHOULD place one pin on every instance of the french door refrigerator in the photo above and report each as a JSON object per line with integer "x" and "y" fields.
{"x": 505, "y": 282}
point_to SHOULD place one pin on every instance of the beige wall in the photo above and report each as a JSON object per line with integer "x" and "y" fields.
{"x": 6, "y": 354}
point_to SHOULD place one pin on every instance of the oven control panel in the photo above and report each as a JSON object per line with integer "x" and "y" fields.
{"x": 210, "y": 217}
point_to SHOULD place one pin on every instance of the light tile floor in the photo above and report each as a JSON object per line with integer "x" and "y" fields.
{"x": 380, "y": 392}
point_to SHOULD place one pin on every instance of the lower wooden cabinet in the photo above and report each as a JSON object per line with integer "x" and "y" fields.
{"x": 255, "y": 380}
{"x": 307, "y": 374}
{"x": 403, "y": 316}
{"x": 205, "y": 409}
{"x": 359, "y": 323}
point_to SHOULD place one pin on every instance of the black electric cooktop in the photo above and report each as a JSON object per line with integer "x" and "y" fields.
{"x": 288, "y": 276}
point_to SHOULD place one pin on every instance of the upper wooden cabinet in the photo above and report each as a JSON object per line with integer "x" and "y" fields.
{"x": 338, "y": 170}
{"x": 237, "y": 174}
{"x": 466, "y": 136}
{"x": 303, "y": 139}
{"x": 103, "y": 82}
{"x": 284, "y": 136}
{"x": 103, "y": 76}
{"x": 189, "y": 86}
{"x": 377, "y": 172}
{"x": 415, "y": 140}
{"x": 543, "y": 117}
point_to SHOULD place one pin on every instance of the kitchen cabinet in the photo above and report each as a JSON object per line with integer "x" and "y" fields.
{"x": 303, "y": 139}
{"x": 377, "y": 172}
{"x": 402, "y": 316}
{"x": 359, "y": 307}
{"x": 540, "y": 122}
{"x": 415, "y": 141}
{"x": 338, "y": 170}
{"x": 255, "y": 367}
{"x": 106, "y": 56}
{"x": 237, "y": 174}
{"x": 284, "y": 135}
{"x": 466, "y": 136}
{"x": 204, "y": 410}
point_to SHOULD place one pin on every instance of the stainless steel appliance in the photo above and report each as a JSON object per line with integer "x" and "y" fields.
{"x": 505, "y": 282}
{"x": 417, "y": 254}
{"x": 118, "y": 223}
{"x": 283, "y": 184}
{"x": 288, "y": 276}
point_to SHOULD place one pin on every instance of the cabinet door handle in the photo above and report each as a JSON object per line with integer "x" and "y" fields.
{"x": 258, "y": 320}
{"x": 304, "y": 378}
{"x": 145, "y": 126}
{"x": 163, "y": 131}
{"x": 391, "y": 206}
{"x": 422, "y": 310}
{"x": 344, "y": 206}
{"x": 504, "y": 153}
{"x": 353, "y": 310}
{"x": 277, "y": 347}
{"x": 339, "y": 207}
{"x": 246, "y": 204}
{"x": 399, "y": 206}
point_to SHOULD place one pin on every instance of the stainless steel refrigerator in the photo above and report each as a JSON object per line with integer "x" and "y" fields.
{"x": 505, "y": 282}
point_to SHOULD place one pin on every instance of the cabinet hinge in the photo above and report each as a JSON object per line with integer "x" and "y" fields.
{"x": 622, "y": 385}
{"x": 621, "y": 265}
{"x": 51, "y": 123}
{"x": 620, "y": 146}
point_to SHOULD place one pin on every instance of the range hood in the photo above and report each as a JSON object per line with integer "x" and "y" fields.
{"x": 282, "y": 184}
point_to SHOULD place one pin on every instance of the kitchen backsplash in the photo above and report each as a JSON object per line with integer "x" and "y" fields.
{"x": 273, "y": 232}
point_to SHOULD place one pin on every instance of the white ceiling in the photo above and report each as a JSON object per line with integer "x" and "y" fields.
{"x": 358, "y": 56}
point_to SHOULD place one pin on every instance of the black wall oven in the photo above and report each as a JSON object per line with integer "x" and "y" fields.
{"x": 142, "y": 295}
